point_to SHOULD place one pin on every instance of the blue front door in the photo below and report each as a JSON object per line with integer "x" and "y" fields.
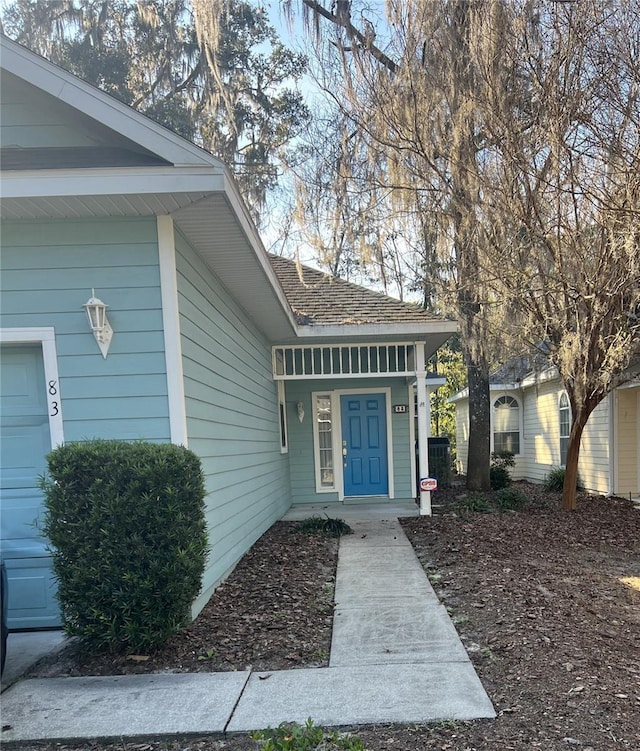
{"x": 364, "y": 444}
{"x": 24, "y": 443}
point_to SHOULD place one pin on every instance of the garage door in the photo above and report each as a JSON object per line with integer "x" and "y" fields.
{"x": 24, "y": 443}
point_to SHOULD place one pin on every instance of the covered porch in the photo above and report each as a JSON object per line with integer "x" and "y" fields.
{"x": 355, "y": 423}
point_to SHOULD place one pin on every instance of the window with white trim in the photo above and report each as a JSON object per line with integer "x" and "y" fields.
{"x": 323, "y": 441}
{"x": 564, "y": 417}
{"x": 282, "y": 419}
{"x": 506, "y": 425}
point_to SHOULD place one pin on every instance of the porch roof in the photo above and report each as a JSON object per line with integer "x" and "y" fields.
{"x": 317, "y": 298}
{"x": 329, "y": 310}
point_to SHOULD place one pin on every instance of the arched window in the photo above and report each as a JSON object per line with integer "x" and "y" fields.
{"x": 506, "y": 425}
{"x": 564, "y": 414}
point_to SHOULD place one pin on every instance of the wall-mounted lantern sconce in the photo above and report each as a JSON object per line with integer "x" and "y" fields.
{"x": 97, "y": 315}
{"x": 300, "y": 410}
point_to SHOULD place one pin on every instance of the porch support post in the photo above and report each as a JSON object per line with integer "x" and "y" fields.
{"x": 423, "y": 427}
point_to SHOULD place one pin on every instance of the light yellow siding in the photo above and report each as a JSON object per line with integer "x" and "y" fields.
{"x": 540, "y": 438}
{"x": 541, "y": 430}
{"x": 542, "y": 434}
{"x": 462, "y": 435}
{"x": 627, "y": 440}
{"x": 593, "y": 465}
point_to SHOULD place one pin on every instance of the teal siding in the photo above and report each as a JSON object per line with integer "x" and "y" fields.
{"x": 48, "y": 271}
{"x": 232, "y": 416}
{"x": 300, "y": 435}
{"x": 402, "y": 449}
{"x": 31, "y": 118}
{"x": 301, "y": 458}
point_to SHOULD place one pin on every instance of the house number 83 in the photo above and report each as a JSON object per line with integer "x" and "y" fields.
{"x": 53, "y": 390}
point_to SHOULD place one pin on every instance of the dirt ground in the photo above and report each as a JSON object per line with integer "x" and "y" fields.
{"x": 546, "y": 602}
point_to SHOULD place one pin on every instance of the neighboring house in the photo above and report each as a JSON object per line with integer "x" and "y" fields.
{"x": 291, "y": 390}
{"x": 531, "y": 417}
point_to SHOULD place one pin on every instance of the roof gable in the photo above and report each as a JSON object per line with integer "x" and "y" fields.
{"x": 100, "y": 111}
{"x": 317, "y": 298}
{"x": 38, "y": 131}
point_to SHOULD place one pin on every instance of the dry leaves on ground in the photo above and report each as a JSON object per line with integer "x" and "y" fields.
{"x": 546, "y": 603}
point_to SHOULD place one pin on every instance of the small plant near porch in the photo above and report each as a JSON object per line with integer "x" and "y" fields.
{"x": 554, "y": 479}
{"x": 325, "y": 525}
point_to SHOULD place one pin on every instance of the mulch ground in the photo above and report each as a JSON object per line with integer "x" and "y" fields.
{"x": 274, "y": 612}
{"x": 546, "y": 602}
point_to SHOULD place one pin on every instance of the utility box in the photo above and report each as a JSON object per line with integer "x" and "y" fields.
{"x": 439, "y": 462}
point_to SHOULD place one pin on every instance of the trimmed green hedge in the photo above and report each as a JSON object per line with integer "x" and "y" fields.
{"x": 126, "y": 522}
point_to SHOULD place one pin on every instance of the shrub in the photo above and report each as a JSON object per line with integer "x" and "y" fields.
{"x": 499, "y": 474}
{"x": 504, "y": 459}
{"x": 499, "y": 478}
{"x": 307, "y": 737}
{"x": 554, "y": 480}
{"x": 476, "y": 502}
{"x": 126, "y": 522}
{"x": 510, "y": 499}
{"x": 325, "y": 525}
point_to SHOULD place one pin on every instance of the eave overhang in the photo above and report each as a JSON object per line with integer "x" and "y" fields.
{"x": 204, "y": 204}
{"x": 493, "y": 388}
{"x": 103, "y": 183}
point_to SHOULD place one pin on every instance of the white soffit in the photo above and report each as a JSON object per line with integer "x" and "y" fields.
{"x": 215, "y": 230}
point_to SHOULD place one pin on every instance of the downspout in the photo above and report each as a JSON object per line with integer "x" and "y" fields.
{"x": 423, "y": 427}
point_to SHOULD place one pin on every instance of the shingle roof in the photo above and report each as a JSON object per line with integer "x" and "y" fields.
{"x": 318, "y": 298}
{"x": 517, "y": 368}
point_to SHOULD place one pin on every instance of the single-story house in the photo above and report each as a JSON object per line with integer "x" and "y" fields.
{"x": 291, "y": 387}
{"x": 531, "y": 417}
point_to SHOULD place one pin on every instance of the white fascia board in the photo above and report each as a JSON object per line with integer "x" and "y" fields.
{"x": 434, "y": 382}
{"x": 105, "y": 109}
{"x": 550, "y": 374}
{"x": 505, "y": 386}
{"x": 493, "y": 387}
{"x": 109, "y": 181}
{"x": 358, "y": 331}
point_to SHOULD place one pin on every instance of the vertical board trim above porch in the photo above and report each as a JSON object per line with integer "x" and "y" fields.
{"x": 318, "y": 361}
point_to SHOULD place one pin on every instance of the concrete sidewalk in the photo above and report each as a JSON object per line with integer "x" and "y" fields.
{"x": 25, "y": 648}
{"x": 395, "y": 658}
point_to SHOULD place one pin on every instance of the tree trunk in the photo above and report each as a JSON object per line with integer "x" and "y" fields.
{"x": 569, "y": 502}
{"x": 479, "y": 427}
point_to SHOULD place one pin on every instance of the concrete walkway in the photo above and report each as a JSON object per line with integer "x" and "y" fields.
{"x": 395, "y": 658}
